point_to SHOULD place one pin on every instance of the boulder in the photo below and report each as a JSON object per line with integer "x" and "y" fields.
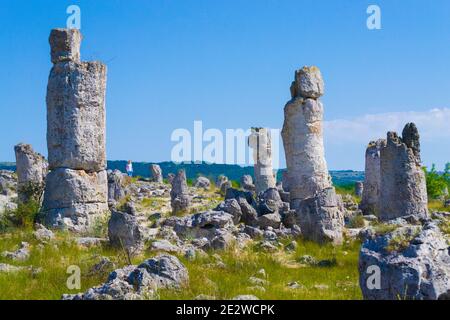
{"x": 320, "y": 218}
{"x": 125, "y": 232}
{"x": 414, "y": 264}
{"x": 156, "y": 173}
{"x": 202, "y": 182}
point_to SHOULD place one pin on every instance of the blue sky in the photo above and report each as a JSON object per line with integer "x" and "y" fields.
{"x": 229, "y": 63}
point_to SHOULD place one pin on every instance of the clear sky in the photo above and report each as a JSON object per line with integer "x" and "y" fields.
{"x": 229, "y": 63}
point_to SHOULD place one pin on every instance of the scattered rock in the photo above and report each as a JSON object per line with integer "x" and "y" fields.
{"x": 202, "y": 182}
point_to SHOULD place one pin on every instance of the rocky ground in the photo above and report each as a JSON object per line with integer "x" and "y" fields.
{"x": 197, "y": 254}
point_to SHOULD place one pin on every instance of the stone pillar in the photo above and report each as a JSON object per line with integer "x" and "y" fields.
{"x": 77, "y": 189}
{"x": 156, "y": 171}
{"x": 31, "y": 169}
{"x": 403, "y": 186}
{"x": 179, "y": 196}
{"x": 370, "y": 203}
{"x": 359, "y": 188}
{"x": 261, "y": 143}
{"x": 310, "y": 187}
{"x": 303, "y": 136}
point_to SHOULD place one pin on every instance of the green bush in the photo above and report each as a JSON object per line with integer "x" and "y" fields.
{"x": 437, "y": 183}
{"x": 24, "y": 216}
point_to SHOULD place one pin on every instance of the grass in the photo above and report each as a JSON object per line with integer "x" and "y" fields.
{"x": 437, "y": 205}
{"x": 205, "y": 277}
{"x": 340, "y": 280}
{"x": 53, "y": 261}
{"x": 357, "y": 222}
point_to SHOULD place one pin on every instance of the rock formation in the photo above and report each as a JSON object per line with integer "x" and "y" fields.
{"x": 303, "y": 136}
{"x": 202, "y": 182}
{"x": 261, "y": 143}
{"x": 139, "y": 282}
{"x": 311, "y": 191}
{"x": 359, "y": 188}
{"x": 115, "y": 186}
{"x": 180, "y": 199}
{"x": 124, "y": 231}
{"x": 156, "y": 171}
{"x": 247, "y": 183}
{"x": 403, "y": 186}
{"x": 31, "y": 169}
{"x": 76, "y": 188}
{"x": 413, "y": 263}
{"x": 370, "y": 203}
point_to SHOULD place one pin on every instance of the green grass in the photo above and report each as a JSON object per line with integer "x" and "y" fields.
{"x": 53, "y": 260}
{"x": 437, "y": 205}
{"x": 281, "y": 268}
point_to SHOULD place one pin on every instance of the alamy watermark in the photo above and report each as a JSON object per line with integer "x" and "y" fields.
{"x": 74, "y": 19}
{"x": 374, "y": 20}
{"x": 231, "y": 146}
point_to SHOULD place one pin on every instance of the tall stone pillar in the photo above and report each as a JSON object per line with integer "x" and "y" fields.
{"x": 76, "y": 189}
{"x": 303, "y": 136}
{"x": 311, "y": 191}
{"x": 261, "y": 143}
{"x": 370, "y": 202}
{"x": 403, "y": 185}
{"x": 31, "y": 169}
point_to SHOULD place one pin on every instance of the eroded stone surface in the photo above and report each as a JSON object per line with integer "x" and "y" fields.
{"x": 31, "y": 169}
{"x": 403, "y": 186}
{"x": 261, "y": 143}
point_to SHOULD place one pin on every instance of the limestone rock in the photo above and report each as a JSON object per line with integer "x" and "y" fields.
{"x": 370, "y": 202}
{"x": 308, "y": 83}
{"x": 414, "y": 262}
{"x": 66, "y": 187}
{"x": 232, "y": 207}
{"x": 202, "y": 182}
{"x": 156, "y": 172}
{"x": 124, "y": 232}
{"x": 21, "y": 254}
{"x": 76, "y": 116}
{"x": 115, "y": 185}
{"x": 76, "y": 190}
{"x": 359, "y": 187}
{"x": 31, "y": 169}
{"x": 180, "y": 199}
{"x": 247, "y": 183}
{"x": 320, "y": 219}
{"x": 42, "y": 234}
{"x": 403, "y": 191}
{"x": 261, "y": 143}
{"x": 204, "y": 224}
{"x": 303, "y": 143}
{"x": 139, "y": 282}
{"x": 65, "y": 45}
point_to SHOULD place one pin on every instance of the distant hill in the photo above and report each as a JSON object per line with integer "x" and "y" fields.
{"x": 233, "y": 172}
{"x": 193, "y": 170}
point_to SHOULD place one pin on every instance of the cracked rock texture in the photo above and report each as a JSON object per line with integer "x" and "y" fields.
{"x": 403, "y": 186}
{"x": 76, "y": 187}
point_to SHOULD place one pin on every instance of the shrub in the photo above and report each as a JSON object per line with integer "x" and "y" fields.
{"x": 25, "y": 215}
{"x": 437, "y": 183}
{"x": 357, "y": 222}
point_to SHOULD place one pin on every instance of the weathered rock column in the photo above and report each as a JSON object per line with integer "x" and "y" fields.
{"x": 370, "y": 203}
{"x": 261, "y": 143}
{"x": 31, "y": 169}
{"x": 76, "y": 188}
{"x": 403, "y": 186}
{"x": 179, "y": 196}
{"x": 359, "y": 188}
{"x": 310, "y": 187}
{"x": 303, "y": 136}
{"x": 156, "y": 171}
